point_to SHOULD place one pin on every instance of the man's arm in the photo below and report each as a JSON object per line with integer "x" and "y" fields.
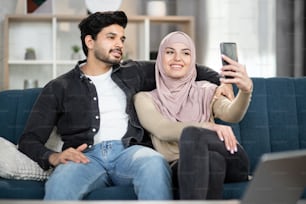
{"x": 146, "y": 73}
{"x": 208, "y": 74}
{"x": 38, "y": 128}
{"x": 203, "y": 72}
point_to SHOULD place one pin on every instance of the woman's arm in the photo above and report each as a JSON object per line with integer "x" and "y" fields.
{"x": 154, "y": 122}
{"x": 232, "y": 111}
{"x": 164, "y": 129}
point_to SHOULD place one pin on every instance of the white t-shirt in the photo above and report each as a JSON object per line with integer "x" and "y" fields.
{"x": 112, "y": 105}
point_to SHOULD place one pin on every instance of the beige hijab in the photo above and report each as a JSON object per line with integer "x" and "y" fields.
{"x": 181, "y": 99}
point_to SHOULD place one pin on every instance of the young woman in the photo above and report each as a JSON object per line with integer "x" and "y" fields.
{"x": 180, "y": 112}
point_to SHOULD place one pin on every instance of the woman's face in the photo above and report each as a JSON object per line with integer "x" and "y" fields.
{"x": 176, "y": 60}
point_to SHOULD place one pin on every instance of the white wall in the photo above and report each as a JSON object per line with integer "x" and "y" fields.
{"x": 249, "y": 23}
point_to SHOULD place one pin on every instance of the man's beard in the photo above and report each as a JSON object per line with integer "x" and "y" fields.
{"x": 104, "y": 58}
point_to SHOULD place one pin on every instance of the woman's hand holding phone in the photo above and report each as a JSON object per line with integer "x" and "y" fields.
{"x": 234, "y": 72}
{"x": 238, "y": 75}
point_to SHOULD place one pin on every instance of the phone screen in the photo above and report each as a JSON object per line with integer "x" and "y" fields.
{"x": 229, "y": 49}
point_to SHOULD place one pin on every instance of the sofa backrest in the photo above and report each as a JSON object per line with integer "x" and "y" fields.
{"x": 15, "y": 106}
{"x": 276, "y": 118}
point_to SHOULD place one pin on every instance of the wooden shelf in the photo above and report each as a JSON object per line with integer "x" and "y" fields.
{"x": 29, "y": 62}
{"x": 56, "y": 33}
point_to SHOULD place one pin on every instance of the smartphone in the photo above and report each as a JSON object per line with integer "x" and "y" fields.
{"x": 230, "y": 50}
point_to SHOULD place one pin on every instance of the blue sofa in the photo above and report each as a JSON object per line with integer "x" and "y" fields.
{"x": 275, "y": 121}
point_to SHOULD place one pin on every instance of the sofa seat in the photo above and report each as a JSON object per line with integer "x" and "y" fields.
{"x": 21, "y": 189}
{"x": 34, "y": 190}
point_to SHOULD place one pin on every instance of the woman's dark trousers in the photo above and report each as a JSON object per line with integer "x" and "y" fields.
{"x": 205, "y": 165}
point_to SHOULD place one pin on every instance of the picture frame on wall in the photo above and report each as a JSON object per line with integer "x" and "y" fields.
{"x": 65, "y": 7}
{"x": 34, "y": 6}
{"x": 44, "y": 6}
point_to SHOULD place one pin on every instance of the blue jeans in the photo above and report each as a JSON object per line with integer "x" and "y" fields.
{"x": 112, "y": 164}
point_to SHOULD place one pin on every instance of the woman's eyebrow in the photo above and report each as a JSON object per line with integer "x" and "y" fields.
{"x": 169, "y": 48}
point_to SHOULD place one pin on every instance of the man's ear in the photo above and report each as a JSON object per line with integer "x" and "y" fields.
{"x": 89, "y": 41}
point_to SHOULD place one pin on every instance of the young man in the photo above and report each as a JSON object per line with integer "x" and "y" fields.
{"x": 92, "y": 108}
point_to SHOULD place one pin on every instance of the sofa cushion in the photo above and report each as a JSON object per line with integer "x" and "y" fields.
{"x": 21, "y": 189}
{"x": 300, "y": 84}
{"x": 16, "y": 165}
{"x": 234, "y": 190}
{"x": 275, "y": 118}
{"x": 34, "y": 190}
{"x": 283, "y": 114}
{"x": 112, "y": 193}
{"x": 15, "y": 106}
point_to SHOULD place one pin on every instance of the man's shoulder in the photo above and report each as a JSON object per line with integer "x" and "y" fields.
{"x": 137, "y": 63}
{"x": 136, "y": 69}
{"x": 64, "y": 81}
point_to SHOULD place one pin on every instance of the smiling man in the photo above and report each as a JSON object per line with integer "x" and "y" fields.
{"x": 96, "y": 121}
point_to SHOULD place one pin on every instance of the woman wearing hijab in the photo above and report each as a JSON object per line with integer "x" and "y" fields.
{"x": 179, "y": 115}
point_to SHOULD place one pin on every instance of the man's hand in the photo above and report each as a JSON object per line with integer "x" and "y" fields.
{"x": 225, "y": 90}
{"x": 70, "y": 154}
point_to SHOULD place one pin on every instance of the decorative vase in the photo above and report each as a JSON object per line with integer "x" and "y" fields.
{"x": 30, "y": 83}
{"x": 30, "y": 54}
{"x": 75, "y": 56}
{"x": 156, "y": 8}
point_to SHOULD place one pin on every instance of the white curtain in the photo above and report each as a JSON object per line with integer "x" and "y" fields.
{"x": 290, "y": 40}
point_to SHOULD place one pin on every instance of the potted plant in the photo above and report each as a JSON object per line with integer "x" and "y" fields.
{"x": 75, "y": 52}
{"x": 30, "y": 54}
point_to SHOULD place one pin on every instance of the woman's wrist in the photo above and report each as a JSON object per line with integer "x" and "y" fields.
{"x": 249, "y": 87}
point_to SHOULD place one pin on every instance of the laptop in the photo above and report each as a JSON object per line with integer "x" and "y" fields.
{"x": 279, "y": 178}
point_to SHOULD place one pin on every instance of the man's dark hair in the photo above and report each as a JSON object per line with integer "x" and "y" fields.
{"x": 95, "y": 22}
